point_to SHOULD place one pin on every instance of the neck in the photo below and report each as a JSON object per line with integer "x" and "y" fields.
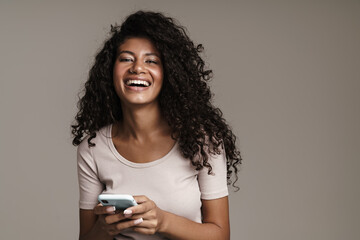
{"x": 142, "y": 122}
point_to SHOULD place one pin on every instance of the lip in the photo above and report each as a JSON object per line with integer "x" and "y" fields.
{"x": 136, "y": 89}
{"x": 137, "y": 78}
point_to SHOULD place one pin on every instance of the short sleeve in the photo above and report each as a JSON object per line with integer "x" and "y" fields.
{"x": 89, "y": 184}
{"x": 214, "y": 186}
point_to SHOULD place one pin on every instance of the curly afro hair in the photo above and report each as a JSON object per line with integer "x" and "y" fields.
{"x": 185, "y": 97}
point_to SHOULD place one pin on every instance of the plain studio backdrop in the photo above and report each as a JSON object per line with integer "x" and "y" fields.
{"x": 286, "y": 75}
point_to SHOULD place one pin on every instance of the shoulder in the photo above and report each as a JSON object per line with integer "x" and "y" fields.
{"x": 100, "y": 135}
{"x": 85, "y": 150}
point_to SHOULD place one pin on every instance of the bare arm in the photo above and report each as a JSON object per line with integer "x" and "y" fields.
{"x": 215, "y": 223}
{"x": 99, "y": 224}
{"x": 90, "y": 227}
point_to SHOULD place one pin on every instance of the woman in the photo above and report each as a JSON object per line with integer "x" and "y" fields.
{"x": 153, "y": 133}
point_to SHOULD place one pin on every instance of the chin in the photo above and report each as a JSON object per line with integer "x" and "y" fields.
{"x": 139, "y": 102}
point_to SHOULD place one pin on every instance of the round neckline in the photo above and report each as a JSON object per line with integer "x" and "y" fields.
{"x": 133, "y": 164}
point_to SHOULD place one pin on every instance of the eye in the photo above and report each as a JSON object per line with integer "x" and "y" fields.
{"x": 125, "y": 60}
{"x": 151, "y": 61}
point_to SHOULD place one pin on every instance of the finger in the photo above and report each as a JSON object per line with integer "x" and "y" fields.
{"x": 136, "y": 210}
{"x": 140, "y": 199}
{"x": 149, "y": 215}
{"x": 146, "y": 223}
{"x": 130, "y": 211}
{"x": 114, "y": 218}
{"x": 146, "y": 231}
{"x": 144, "y": 206}
{"x": 116, "y": 228}
{"x": 100, "y": 209}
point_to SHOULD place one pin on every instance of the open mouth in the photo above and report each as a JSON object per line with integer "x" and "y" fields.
{"x": 137, "y": 83}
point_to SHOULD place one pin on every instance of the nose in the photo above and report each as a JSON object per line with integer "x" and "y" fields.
{"x": 137, "y": 67}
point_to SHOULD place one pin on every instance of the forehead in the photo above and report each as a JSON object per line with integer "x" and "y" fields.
{"x": 138, "y": 45}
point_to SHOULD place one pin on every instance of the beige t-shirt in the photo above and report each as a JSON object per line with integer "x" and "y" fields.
{"x": 171, "y": 181}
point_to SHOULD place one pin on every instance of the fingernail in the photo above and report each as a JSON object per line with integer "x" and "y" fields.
{"x": 127, "y": 212}
{"x": 111, "y": 209}
{"x": 138, "y": 221}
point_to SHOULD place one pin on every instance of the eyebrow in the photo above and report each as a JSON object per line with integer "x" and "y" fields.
{"x": 146, "y": 54}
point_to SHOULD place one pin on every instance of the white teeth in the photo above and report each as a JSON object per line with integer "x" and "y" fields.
{"x": 137, "y": 82}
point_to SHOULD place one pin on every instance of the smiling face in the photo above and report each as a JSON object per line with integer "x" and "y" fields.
{"x": 138, "y": 72}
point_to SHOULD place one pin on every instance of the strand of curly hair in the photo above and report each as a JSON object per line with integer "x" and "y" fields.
{"x": 185, "y": 97}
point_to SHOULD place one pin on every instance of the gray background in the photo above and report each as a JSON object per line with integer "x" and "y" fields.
{"x": 286, "y": 77}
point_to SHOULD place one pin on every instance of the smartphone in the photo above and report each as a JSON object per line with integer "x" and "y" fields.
{"x": 120, "y": 201}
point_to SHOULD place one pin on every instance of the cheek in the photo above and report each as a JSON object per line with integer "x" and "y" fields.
{"x": 117, "y": 80}
{"x": 119, "y": 69}
{"x": 158, "y": 75}
{"x": 118, "y": 74}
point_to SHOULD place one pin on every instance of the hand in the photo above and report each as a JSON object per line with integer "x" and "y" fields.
{"x": 151, "y": 216}
{"x": 111, "y": 221}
